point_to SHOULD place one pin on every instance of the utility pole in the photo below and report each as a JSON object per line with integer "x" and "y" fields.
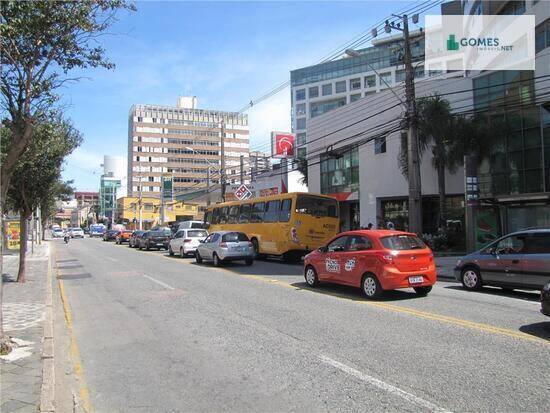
{"x": 140, "y": 196}
{"x": 415, "y": 196}
{"x": 242, "y": 168}
{"x": 208, "y": 186}
{"x": 222, "y": 170}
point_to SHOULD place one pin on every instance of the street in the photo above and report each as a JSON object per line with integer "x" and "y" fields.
{"x": 153, "y": 333}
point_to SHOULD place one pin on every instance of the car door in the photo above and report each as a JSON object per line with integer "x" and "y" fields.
{"x": 213, "y": 244}
{"x": 331, "y": 265}
{"x": 535, "y": 265}
{"x": 203, "y": 246}
{"x": 502, "y": 263}
{"x": 357, "y": 258}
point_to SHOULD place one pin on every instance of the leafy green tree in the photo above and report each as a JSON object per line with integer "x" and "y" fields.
{"x": 36, "y": 176}
{"x": 61, "y": 190}
{"x": 302, "y": 168}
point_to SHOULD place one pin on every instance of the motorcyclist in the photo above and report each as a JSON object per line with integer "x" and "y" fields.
{"x": 66, "y": 237}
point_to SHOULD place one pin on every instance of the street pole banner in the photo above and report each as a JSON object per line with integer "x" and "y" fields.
{"x": 167, "y": 187}
{"x": 479, "y": 42}
{"x": 14, "y": 237}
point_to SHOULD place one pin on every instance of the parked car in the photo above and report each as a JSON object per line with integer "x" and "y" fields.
{"x": 373, "y": 260}
{"x": 187, "y": 225}
{"x": 517, "y": 260}
{"x": 133, "y": 242}
{"x": 76, "y": 233}
{"x": 110, "y": 235}
{"x": 186, "y": 241}
{"x": 225, "y": 246}
{"x": 97, "y": 230}
{"x": 545, "y": 299}
{"x": 123, "y": 236}
{"x": 155, "y": 239}
{"x": 57, "y": 233}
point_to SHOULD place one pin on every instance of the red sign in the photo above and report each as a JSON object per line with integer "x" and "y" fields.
{"x": 242, "y": 192}
{"x": 283, "y": 144}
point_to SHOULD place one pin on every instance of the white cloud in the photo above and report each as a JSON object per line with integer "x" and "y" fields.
{"x": 83, "y": 159}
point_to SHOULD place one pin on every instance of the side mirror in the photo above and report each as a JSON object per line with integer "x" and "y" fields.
{"x": 322, "y": 249}
{"x": 201, "y": 241}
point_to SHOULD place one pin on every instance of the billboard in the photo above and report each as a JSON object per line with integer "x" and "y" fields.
{"x": 13, "y": 235}
{"x": 282, "y": 145}
{"x": 167, "y": 187}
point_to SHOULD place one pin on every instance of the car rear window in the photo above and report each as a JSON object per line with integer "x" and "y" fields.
{"x": 160, "y": 233}
{"x": 196, "y": 225}
{"x": 197, "y": 233}
{"x": 402, "y": 242}
{"x": 234, "y": 237}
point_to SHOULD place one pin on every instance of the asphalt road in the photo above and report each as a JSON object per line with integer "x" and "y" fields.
{"x": 151, "y": 333}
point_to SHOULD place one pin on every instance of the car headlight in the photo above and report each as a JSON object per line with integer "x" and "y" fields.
{"x": 459, "y": 262}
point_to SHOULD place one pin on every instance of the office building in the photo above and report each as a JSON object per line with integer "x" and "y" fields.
{"x": 260, "y": 162}
{"x": 183, "y": 142}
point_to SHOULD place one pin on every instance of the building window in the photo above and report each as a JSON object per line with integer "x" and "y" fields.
{"x": 341, "y": 174}
{"x": 418, "y": 72}
{"x": 385, "y": 79}
{"x": 370, "y": 81}
{"x": 301, "y": 153}
{"x": 300, "y": 94}
{"x": 371, "y": 92}
{"x": 380, "y": 145}
{"x": 327, "y": 89}
{"x": 313, "y": 92}
{"x": 513, "y": 8}
{"x": 400, "y": 75}
{"x": 542, "y": 36}
{"x": 300, "y": 139}
{"x": 301, "y": 123}
{"x": 355, "y": 84}
{"x": 355, "y": 97}
{"x": 300, "y": 109}
{"x": 340, "y": 87}
{"x": 318, "y": 108}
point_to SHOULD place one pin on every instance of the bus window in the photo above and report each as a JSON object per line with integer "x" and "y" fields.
{"x": 317, "y": 206}
{"x": 272, "y": 211}
{"x": 215, "y": 215}
{"x": 257, "y": 214}
{"x": 208, "y": 217}
{"x": 233, "y": 214}
{"x": 284, "y": 214}
{"x": 223, "y": 216}
{"x": 245, "y": 213}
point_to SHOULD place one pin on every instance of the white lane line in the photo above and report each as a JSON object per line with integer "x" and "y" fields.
{"x": 111, "y": 259}
{"x": 159, "y": 282}
{"x": 383, "y": 385}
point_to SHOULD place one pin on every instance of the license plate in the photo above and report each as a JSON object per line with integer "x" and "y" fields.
{"x": 238, "y": 248}
{"x": 416, "y": 280}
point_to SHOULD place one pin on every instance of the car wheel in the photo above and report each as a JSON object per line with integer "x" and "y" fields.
{"x": 423, "y": 290}
{"x": 217, "y": 261}
{"x": 140, "y": 247}
{"x": 471, "y": 279}
{"x": 256, "y": 247}
{"x": 311, "y": 276}
{"x": 249, "y": 261}
{"x": 198, "y": 257}
{"x": 182, "y": 254}
{"x": 170, "y": 252}
{"x": 147, "y": 247}
{"x": 371, "y": 287}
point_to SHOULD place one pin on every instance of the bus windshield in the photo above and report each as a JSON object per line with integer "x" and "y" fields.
{"x": 317, "y": 206}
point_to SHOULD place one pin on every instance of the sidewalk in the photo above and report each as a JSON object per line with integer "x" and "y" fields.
{"x": 24, "y": 307}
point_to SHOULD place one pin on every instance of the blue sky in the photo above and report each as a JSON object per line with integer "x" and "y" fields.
{"x": 225, "y": 53}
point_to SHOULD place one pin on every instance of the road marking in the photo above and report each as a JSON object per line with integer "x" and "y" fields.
{"x": 74, "y": 353}
{"x": 472, "y": 325}
{"x": 382, "y": 385}
{"x": 111, "y": 259}
{"x": 158, "y": 282}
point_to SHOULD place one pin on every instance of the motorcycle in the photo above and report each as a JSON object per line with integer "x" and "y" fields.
{"x": 66, "y": 238}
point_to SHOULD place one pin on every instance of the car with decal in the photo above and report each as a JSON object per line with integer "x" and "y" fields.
{"x": 373, "y": 260}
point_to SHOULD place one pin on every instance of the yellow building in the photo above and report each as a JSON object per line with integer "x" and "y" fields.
{"x": 128, "y": 212}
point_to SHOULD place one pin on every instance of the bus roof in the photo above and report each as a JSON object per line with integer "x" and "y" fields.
{"x": 269, "y": 198}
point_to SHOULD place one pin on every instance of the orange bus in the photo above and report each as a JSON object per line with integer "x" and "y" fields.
{"x": 288, "y": 225}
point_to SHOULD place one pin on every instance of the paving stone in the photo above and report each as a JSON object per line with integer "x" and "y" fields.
{"x": 12, "y": 405}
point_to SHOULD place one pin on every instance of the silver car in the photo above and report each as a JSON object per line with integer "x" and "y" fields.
{"x": 518, "y": 260}
{"x": 225, "y": 246}
{"x": 186, "y": 241}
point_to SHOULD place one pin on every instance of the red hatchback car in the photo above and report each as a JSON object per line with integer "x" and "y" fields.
{"x": 374, "y": 260}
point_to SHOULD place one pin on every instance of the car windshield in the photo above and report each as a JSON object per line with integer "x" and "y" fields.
{"x": 234, "y": 237}
{"x": 162, "y": 233}
{"x": 402, "y": 242}
{"x": 197, "y": 234}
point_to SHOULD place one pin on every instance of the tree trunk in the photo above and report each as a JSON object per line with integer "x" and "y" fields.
{"x": 22, "y": 246}
{"x": 441, "y": 188}
{"x": 21, "y": 136}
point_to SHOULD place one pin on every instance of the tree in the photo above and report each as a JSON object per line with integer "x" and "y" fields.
{"x": 302, "y": 168}
{"x": 61, "y": 190}
{"x": 36, "y": 176}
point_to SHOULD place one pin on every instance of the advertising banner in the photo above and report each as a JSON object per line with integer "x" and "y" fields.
{"x": 14, "y": 231}
{"x": 282, "y": 145}
{"x": 167, "y": 187}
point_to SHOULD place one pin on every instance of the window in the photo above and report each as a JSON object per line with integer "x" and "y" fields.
{"x": 244, "y": 216}
{"x": 513, "y": 8}
{"x": 399, "y": 75}
{"x": 510, "y": 245}
{"x": 223, "y": 216}
{"x": 284, "y": 214}
{"x": 402, "y": 242}
{"x": 370, "y": 81}
{"x": 300, "y": 94}
{"x": 257, "y": 214}
{"x": 418, "y": 72}
{"x": 301, "y": 109}
{"x": 301, "y": 123}
{"x": 385, "y": 79}
{"x": 313, "y": 92}
{"x": 148, "y": 207}
{"x": 234, "y": 237}
{"x": 215, "y": 216}
{"x": 537, "y": 243}
{"x": 542, "y": 36}
{"x": 355, "y": 97}
{"x": 272, "y": 211}
{"x": 214, "y": 238}
{"x": 339, "y": 244}
{"x": 179, "y": 234}
{"x": 359, "y": 243}
{"x": 380, "y": 145}
{"x": 340, "y": 87}
{"x": 342, "y": 174}
{"x": 327, "y": 89}
{"x": 355, "y": 84}
{"x": 197, "y": 233}
{"x": 318, "y": 108}
{"x": 300, "y": 138}
{"x": 316, "y": 206}
{"x": 233, "y": 214}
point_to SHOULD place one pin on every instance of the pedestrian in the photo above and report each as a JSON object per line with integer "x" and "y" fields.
{"x": 390, "y": 226}
{"x": 369, "y": 226}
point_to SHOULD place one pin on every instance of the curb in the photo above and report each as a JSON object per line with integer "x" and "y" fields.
{"x": 47, "y": 393}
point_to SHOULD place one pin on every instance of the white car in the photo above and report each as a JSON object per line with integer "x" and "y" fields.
{"x": 76, "y": 233}
{"x": 186, "y": 241}
{"x": 57, "y": 233}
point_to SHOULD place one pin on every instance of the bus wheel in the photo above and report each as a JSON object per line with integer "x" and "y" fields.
{"x": 292, "y": 256}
